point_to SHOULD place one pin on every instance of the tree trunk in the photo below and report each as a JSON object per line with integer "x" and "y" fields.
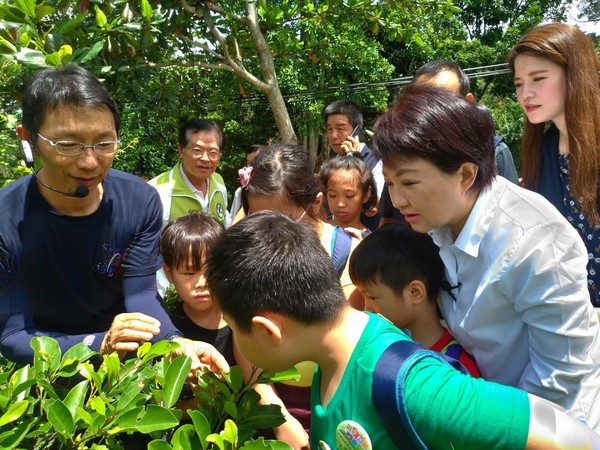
{"x": 267, "y": 68}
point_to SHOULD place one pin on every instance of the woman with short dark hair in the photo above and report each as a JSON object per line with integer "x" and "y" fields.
{"x": 515, "y": 293}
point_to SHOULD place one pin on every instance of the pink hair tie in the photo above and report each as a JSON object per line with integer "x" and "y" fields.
{"x": 245, "y": 173}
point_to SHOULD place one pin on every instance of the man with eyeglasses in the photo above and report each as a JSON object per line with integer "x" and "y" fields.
{"x": 79, "y": 240}
{"x": 193, "y": 184}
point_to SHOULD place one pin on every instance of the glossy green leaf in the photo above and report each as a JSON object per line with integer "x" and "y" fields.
{"x": 53, "y": 59}
{"x": 159, "y": 444}
{"x": 128, "y": 397}
{"x": 12, "y": 438}
{"x": 201, "y": 425}
{"x": 218, "y": 440}
{"x": 236, "y": 378}
{"x": 87, "y": 371}
{"x": 8, "y": 45}
{"x": 83, "y": 55}
{"x": 68, "y": 26}
{"x": 20, "y": 382}
{"x": 146, "y": 9}
{"x": 84, "y": 415}
{"x": 230, "y": 431}
{"x": 43, "y": 11}
{"x": 59, "y": 416}
{"x": 155, "y": 418}
{"x": 112, "y": 363}
{"x": 46, "y": 354}
{"x": 79, "y": 352}
{"x": 266, "y": 419}
{"x": 290, "y": 374}
{"x": 47, "y": 387}
{"x": 27, "y": 7}
{"x": 99, "y": 405}
{"x": 147, "y": 351}
{"x": 76, "y": 397}
{"x": 65, "y": 53}
{"x": 14, "y": 412}
{"x": 231, "y": 409}
{"x": 185, "y": 438}
{"x": 101, "y": 20}
{"x": 176, "y": 374}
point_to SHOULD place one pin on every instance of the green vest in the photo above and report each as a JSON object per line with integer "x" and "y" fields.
{"x": 178, "y": 199}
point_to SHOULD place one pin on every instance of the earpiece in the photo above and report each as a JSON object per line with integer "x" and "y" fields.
{"x": 27, "y": 154}
{"x": 80, "y": 192}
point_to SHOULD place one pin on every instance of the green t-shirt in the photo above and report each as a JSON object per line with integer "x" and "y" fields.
{"x": 448, "y": 409}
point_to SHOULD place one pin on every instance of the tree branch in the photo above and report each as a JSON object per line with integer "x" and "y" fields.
{"x": 204, "y": 47}
{"x": 222, "y": 12}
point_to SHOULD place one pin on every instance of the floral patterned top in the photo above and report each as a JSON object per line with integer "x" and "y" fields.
{"x": 589, "y": 234}
{"x": 555, "y": 186}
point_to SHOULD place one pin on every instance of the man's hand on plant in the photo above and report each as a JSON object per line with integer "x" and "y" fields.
{"x": 128, "y": 331}
{"x": 203, "y": 355}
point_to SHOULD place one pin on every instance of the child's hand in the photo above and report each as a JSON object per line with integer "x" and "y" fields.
{"x": 202, "y": 354}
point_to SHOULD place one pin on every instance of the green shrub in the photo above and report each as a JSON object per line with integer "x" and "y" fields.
{"x": 83, "y": 400}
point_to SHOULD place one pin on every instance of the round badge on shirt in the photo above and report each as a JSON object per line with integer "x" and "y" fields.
{"x": 350, "y": 435}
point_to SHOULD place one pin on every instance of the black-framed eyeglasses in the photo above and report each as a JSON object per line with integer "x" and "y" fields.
{"x": 213, "y": 154}
{"x": 72, "y": 148}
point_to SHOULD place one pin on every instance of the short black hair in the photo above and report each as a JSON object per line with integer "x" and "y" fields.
{"x": 441, "y": 127}
{"x": 435, "y": 67}
{"x": 198, "y": 125}
{"x": 70, "y": 85}
{"x": 189, "y": 236}
{"x": 269, "y": 263}
{"x": 140, "y": 171}
{"x": 346, "y": 108}
{"x": 395, "y": 255}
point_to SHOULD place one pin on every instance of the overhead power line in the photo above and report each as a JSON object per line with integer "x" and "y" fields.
{"x": 305, "y": 95}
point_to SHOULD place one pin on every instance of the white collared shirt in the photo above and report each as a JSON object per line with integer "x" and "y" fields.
{"x": 523, "y": 308}
{"x": 203, "y": 199}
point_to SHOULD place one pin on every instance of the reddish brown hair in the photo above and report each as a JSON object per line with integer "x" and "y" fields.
{"x": 572, "y": 49}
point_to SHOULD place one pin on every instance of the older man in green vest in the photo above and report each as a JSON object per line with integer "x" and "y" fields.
{"x": 193, "y": 184}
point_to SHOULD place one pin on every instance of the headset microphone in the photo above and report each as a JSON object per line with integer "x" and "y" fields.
{"x": 80, "y": 191}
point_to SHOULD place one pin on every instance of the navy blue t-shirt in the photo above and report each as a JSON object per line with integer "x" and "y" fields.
{"x": 67, "y": 277}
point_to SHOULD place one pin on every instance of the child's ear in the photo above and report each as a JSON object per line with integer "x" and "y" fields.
{"x": 417, "y": 292}
{"x": 168, "y": 273}
{"x": 318, "y": 203}
{"x": 268, "y": 328}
